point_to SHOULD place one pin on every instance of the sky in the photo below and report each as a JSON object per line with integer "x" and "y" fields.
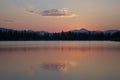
{"x": 60, "y": 15}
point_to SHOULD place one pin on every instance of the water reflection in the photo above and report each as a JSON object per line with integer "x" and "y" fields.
{"x": 58, "y": 66}
{"x": 57, "y": 48}
{"x": 55, "y": 66}
{"x": 60, "y": 61}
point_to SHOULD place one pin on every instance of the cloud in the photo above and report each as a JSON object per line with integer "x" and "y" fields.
{"x": 53, "y": 13}
{"x": 12, "y": 21}
{"x": 9, "y": 21}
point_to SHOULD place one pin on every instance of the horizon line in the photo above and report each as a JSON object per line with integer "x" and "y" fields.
{"x": 56, "y": 31}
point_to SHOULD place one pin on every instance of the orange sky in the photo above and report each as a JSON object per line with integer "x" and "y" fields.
{"x": 55, "y": 16}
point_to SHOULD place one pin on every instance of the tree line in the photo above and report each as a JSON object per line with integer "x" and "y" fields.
{"x": 14, "y": 35}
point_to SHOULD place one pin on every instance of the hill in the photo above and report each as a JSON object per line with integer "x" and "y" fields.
{"x": 82, "y": 34}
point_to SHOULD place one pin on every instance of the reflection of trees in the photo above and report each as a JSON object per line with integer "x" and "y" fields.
{"x": 17, "y": 49}
{"x": 56, "y": 48}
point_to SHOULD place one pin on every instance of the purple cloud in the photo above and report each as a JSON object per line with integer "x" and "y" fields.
{"x": 53, "y": 12}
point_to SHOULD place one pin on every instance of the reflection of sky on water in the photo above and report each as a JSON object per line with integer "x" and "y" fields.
{"x": 58, "y": 66}
{"x": 65, "y": 61}
{"x": 59, "y": 48}
{"x": 55, "y": 66}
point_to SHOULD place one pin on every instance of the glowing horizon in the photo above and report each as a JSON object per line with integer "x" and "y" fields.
{"x": 55, "y": 16}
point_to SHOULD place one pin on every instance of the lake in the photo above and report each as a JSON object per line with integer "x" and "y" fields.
{"x": 59, "y": 60}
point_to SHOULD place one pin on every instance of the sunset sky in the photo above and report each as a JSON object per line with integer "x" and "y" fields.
{"x": 58, "y": 15}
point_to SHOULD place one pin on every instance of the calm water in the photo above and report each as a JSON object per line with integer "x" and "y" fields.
{"x": 56, "y": 60}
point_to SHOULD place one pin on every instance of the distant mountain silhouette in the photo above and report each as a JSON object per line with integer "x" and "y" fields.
{"x": 80, "y": 31}
{"x": 82, "y": 34}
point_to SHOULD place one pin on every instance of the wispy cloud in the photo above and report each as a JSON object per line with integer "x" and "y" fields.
{"x": 53, "y": 13}
{"x": 9, "y": 21}
{"x": 12, "y": 21}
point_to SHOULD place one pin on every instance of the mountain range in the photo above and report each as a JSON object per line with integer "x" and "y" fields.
{"x": 82, "y": 34}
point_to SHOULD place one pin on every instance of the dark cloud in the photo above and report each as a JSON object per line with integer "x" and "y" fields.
{"x": 30, "y": 11}
{"x": 53, "y": 12}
